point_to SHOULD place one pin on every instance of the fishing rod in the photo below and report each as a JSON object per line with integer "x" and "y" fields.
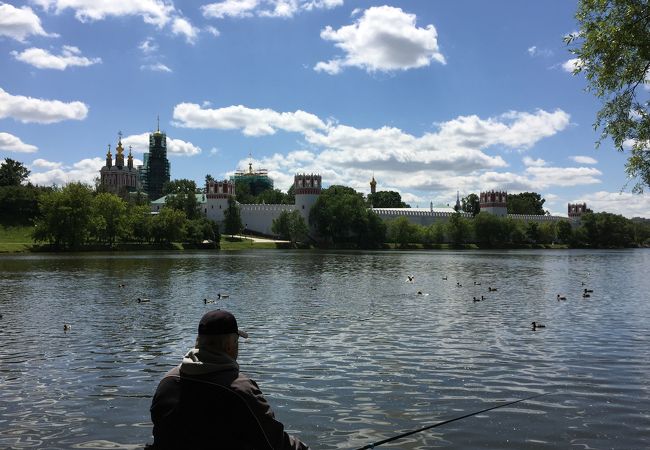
{"x": 408, "y": 433}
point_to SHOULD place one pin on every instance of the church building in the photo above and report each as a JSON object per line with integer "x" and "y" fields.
{"x": 118, "y": 178}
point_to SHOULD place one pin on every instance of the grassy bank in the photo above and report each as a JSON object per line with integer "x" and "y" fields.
{"x": 15, "y": 239}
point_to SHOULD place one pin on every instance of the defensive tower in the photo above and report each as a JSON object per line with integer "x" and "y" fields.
{"x": 307, "y": 189}
{"x": 494, "y": 202}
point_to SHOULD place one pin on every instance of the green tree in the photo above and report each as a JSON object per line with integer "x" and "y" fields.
{"x": 19, "y": 204}
{"x": 12, "y": 173}
{"x": 434, "y": 234}
{"x": 386, "y": 199}
{"x": 232, "y": 222}
{"x": 471, "y": 204}
{"x": 526, "y": 203}
{"x": 564, "y": 231}
{"x": 607, "y": 230}
{"x": 612, "y": 49}
{"x": 198, "y": 230}
{"x": 65, "y": 216}
{"x": 139, "y": 223}
{"x": 108, "y": 217}
{"x": 168, "y": 226}
{"x": 532, "y": 232}
{"x": 547, "y": 232}
{"x": 489, "y": 230}
{"x": 401, "y": 231}
{"x": 272, "y": 197}
{"x": 291, "y": 226}
{"x": 458, "y": 228}
{"x": 181, "y": 196}
{"x": 341, "y": 215}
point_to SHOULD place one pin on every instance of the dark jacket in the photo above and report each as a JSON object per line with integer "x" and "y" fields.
{"x": 205, "y": 403}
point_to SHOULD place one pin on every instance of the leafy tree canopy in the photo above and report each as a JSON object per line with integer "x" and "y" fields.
{"x": 12, "y": 173}
{"x": 341, "y": 215}
{"x": 526, "y": 203}
{"x": 386, "y": 199}
{"x": 471, "y": 204}
{"x": 612, "y": 49}
{"x": 232, "y": 222}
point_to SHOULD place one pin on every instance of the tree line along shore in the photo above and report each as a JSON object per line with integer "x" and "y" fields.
{"x": 81, "y": 217}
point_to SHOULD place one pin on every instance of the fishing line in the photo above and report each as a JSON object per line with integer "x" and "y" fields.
{"x": 408, "y": 433}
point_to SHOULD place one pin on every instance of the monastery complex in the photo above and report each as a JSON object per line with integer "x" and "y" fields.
{"x": 258, "y": 218}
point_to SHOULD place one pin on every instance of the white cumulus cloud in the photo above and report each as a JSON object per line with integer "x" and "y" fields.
{"x": 156, "y": 12}
{"x": 29, "y": 109}
{"x": 45, "y": 164}
{"x": 178, "y": 147}
{"x": 528, "y": 161}
{"x": 19, "y": 23}
{"x": 157, "y": 67}
{"x": 42, "y": 59}
{"x": 11, "y": 143}
{"x": 182, "y": 26}
{"x": 584, "y": 159}
{"x": 384, "y": 39}
{"x": 148, "y": 46}
{"x": 264, "y": 8}
{"x": 623, "y": 203}
{"x": 253, "y": 122}
{"x": 84, "y": 171}
{"x": 571, "y": 65}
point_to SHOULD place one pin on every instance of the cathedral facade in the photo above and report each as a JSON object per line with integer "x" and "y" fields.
{"x": 117, "y": 177}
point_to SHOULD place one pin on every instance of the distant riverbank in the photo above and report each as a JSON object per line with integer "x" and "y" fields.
{"x": 18, "y": 239}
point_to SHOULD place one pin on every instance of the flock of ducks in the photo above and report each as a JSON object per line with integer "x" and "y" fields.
{"x": 67, "y": 327}
{"x": 586, "y": 293}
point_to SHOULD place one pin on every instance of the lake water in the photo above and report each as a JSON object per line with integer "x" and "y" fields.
{"x": 358, "y": 358}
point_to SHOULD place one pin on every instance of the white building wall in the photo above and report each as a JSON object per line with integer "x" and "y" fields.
{"x": 424, "y": 218}
{"x": 259, "y": 218}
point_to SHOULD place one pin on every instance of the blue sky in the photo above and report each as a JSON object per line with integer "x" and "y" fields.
{"x": 430, "y": 97}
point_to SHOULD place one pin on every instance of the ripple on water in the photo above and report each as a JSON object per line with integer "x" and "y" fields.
{"x": 356, "y": 360}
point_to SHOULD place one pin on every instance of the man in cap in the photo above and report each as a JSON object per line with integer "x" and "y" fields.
{"x": 206, "y": 403}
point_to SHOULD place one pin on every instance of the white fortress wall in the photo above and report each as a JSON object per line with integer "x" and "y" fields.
{"x": 537, "y": 218}
{"x": 259, "y": 218}
{"x": 419, "y": 217}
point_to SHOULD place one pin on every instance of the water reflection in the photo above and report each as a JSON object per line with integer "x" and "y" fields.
{"x": 342, "y": 345}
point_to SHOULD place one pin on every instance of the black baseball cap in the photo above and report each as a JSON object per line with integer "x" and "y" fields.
{"x": 219, "y": 321}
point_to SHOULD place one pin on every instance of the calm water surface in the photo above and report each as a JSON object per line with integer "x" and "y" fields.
{"x": 357, "y": 359}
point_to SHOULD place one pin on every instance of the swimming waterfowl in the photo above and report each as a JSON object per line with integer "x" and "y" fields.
{"x": 537, "y": 325}
{"x": 313, "y": 288}
{"x": 121, "y": 285}
{"x": 588, "y": 290}
{"x": 444, "y": 278}
{"x": 458, "y": 284}
{"x": 560, "y": 297}
{"x": 491, "y": 289}
{"x": 476, "y": 299}
{"x": 206, "y": 301}
{"x": 585, "y": 295}
{"x": 419, "y": 292}
{"x": 143, "y": 300}
{"x": 66, "y": 327}
{"x": 220, "y": 295}
{"x": 477, "y": 284}
{"x": 410, "y": 278}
